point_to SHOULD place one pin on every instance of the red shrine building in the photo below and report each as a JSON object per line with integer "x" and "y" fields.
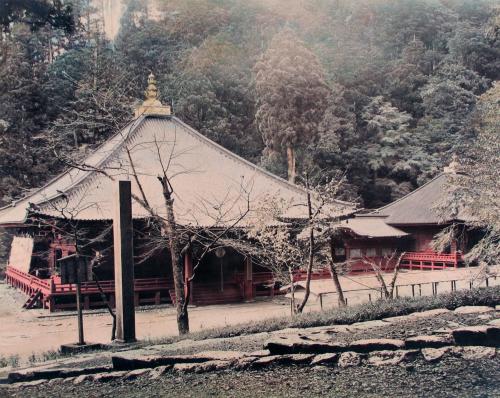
{"x": 407, "y": 225}
{"x": 212, "y": 188}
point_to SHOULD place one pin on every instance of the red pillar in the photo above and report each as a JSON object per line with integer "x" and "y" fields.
{"x": 248, "y": 281}
{"x": 188, "y": 273}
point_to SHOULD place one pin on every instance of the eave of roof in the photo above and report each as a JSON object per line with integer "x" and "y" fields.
{"x": 371, "y": 227}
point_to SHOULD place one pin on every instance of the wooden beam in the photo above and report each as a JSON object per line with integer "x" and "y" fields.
{"x": 124, "y": 264}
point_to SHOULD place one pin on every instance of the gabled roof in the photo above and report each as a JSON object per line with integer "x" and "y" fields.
{"x": 371, "y": 227}
{"x": 208, "y": 180}
{"x": 421, "y": 205}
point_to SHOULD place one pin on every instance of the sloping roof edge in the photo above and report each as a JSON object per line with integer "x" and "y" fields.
{"x": 131, "y": 126}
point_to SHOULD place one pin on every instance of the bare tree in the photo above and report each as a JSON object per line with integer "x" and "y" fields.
{"x": 383, "y": 264}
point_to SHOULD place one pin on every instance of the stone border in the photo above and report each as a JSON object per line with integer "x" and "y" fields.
{"x": 313, "y": 349}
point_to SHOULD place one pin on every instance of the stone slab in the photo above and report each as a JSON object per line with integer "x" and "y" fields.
{"x": 470, "y": 309}
{"x": 368, "y": 345}
{"x": 428, "y": 341}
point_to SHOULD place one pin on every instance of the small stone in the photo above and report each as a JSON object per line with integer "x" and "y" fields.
{"x": 266, "y": 361}
{"x": 105, "y": 377}
{"x": 55, "y": 381}
{"x": 322, "y": 359}
{"x": 297, "y": 358}
{"x": 428, "y": 341}
{"x": 185, "y": 367}
{"x": 134, "y": 374}
{"x": 213, "y": 365}
{"x": 348, "y": 359}
{"x": 383, "y": 358}
{"x": 477, "y": 352}
{"x": 435, "y": 354}
{"x": 368, "y": 345}
{"x": 155, "y": 373}
{"x": 259, "y": 353}
{"x": 80, "y": 379}
{"x": 201, "y": 367}
{"x": 497, "y": 307}
{"x": 244, "y": 363}
{"x": 470, "y": 309}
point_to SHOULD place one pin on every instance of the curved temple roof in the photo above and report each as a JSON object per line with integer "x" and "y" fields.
{"x": 212, "y": 186}
{"x": 421, "y": 205}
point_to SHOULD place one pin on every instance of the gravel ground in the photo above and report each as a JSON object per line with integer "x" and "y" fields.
{"x": 449, "y": 378}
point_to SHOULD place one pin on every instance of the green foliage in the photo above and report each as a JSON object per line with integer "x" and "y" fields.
{"x": 291, "y": 92}
{"x": 37, "y": 13}
{"x": 12, "y": 360}
{"x": 383, "y": 90}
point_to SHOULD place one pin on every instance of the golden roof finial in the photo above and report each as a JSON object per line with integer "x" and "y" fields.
{"x": 152, "y": 91}
{"x": 152, "y": 105}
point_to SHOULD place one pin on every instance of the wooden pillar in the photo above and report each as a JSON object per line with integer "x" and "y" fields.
{"x": 248, "y": 282}
{"x": 188, "y": 273}
{"x": 124, "y": 264}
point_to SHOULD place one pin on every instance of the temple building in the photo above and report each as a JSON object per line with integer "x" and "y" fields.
{"x": 409, "y": 225}
{"x": 212, "y": 188}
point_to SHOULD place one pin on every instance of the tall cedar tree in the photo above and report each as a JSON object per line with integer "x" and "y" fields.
{"x": 291, "y": 96}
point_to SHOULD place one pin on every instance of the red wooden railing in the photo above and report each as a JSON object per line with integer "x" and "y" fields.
{"x": 52, "y": 288}
{"x": 429, "y": 260}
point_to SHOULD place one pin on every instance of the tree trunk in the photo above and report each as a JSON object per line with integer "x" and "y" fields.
{"x": 293, "y": 307}
{"x": 395, "y": 274}
{"x": 335, "y": 277}
{"x": 290, "y": 155}
{"x": 177, "y": 263}
{"x": 301, "y": 306}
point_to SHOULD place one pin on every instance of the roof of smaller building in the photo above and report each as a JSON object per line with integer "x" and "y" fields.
{"x": 371, "y": 227}
{"x": 421, "y": 205}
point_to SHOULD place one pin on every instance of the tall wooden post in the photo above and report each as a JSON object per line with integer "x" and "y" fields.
{"x": 248, "y": 282}
{"x": 81, "y": 340}
{"x": 124, "y": 264}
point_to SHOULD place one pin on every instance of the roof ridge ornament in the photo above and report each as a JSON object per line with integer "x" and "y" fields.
{"x": 152, "y": 104}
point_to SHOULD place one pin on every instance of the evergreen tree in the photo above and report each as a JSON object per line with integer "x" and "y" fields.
{"x": 291, "y": 96}
{"x": 392, "y": 148}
